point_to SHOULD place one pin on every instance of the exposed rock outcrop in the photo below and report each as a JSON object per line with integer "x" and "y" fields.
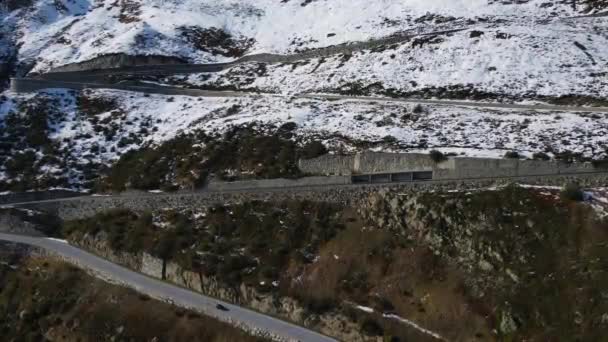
{"x": 331, "y": 323}
{"x": 119, "y": 60}
{"x": 27, "y": 222}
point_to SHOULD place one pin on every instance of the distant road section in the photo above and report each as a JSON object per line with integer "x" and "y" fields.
{"x": 162, "y": 290}
{"x": 26, "y": 85}
{"x": 476, "y": 104}
{"x": 97, "y": 74}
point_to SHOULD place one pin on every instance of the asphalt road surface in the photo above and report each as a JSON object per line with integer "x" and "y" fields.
{"x": 305, "y": 188}
{"x": 39, "y": 84}
{"x": 179, "y": 296}
{"x": 475, "y": 104}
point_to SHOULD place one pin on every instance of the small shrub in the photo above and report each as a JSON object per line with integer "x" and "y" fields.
{"x": 512, "y": 155}
{"x": 313, "y": 149}
{"x": 540, "y": 156}
{"x": 389, "y": 139}
{"x": 568, "y": 156}
{"x": 288, "y": 127}
{"x": 437, "y": 156}
{"x": 92, "y": 106}
{"x": 233, "y": 110}
{"x": 371, "y": 328}
{"x": 572, "y": 192}
{"x": 319, "y": 305}
{"x": 600, "y": 164}
{"x": 419, "y": 109}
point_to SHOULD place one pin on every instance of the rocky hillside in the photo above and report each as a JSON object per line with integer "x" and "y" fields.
{"x": 497, "y": 51}
{"x": 505, "y": 264}
{"x": 42, "y": 299}
{"x": 484, "y": 50}
{"x": 92, "y": 140}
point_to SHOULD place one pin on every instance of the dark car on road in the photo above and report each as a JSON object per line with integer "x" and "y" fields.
{"x": 221, "y": 307}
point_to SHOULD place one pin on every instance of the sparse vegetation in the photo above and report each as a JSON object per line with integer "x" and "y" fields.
{"x": 512, "y": 155}
{"x": 336, "y": 260}
{"x": 541, "y": 156}
{"x": 572, "y": 192}
{"x": 93, "y": 106}
{"x": 216, "y": 41}
{"x": 26, "y": 149}
{"x": 437, "y": 156}
{"x": 267, "y": 234}
{"x": 46, "y": 299}
{"x": 313, "y": 149}
{"x": 187, "y": 160}
{"x": 418, "y": 109}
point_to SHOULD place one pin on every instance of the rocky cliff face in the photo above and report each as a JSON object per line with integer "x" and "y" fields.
{"x": 452, "y": 231}
{"x": 520, "y": 252}
{"x": 119, "y": 60}
{"x": 331, "y": 323}
{"x": 99, "y": 245}
{"x": 506, "y": 258}
{"x": 27, "y": 222}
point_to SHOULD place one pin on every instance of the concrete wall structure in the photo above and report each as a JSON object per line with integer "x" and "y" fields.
{"x": 380, "y": 170}
{"x": 79, "y": 207}
{"x": 277, "y": 183}
{"x": 452, "y": 168}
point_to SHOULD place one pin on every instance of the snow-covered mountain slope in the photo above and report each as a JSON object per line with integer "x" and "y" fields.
{"x": 519, "y": 60}
{"x": 57, "y": 32}
{"x": 515, "y": 50}
{"x": 519, "y": 49}
{"x": 67, "y": 137}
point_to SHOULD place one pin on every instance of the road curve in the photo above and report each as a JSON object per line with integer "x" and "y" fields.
{"x": 162, "y": 290}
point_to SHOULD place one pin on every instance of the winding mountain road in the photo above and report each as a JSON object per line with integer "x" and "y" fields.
{"x": 83, "y": 79}
{"x": 161, "y": 290}
{"x": 87, "y": 75}
{"x": 24, "y": 85}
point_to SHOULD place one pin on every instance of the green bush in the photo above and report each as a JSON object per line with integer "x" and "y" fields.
{"x": 572, "y": 192}
{"x": 512, "y": 155}
{"x": 187, "y": 160}
{"x": 541, "y": 156}
{"x": 600, "y": 164}
{"x": 93, "y": 106}
{"x": 569, "y": 156}
{"x": 371, "y": 328}
{"x": 437, "y": 156}
{"x": 419, "y": 109}
{"x": 313, "y": 149}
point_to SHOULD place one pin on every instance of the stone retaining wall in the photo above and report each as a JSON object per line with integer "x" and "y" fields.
{"x": 13, "y": 224}
{"x": 37, "y": 196}
{"x": 277, "y": 183}
{"x": 89, "y": 206}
